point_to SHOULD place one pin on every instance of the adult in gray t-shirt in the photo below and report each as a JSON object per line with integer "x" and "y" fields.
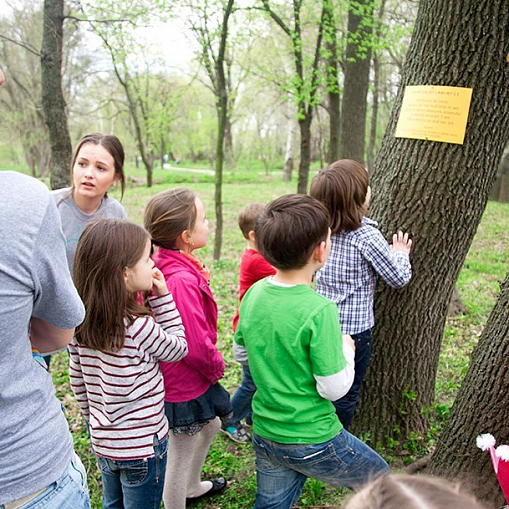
{"x": 35, "y": 288}
{"x": 74, "y": 219}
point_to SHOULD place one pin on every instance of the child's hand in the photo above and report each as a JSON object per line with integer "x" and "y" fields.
{"x": 158, "y": 283}
{"x": 401, "y": 242}
{"x": 349, "y": 341}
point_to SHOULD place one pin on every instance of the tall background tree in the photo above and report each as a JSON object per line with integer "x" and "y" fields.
{"x": 53, "y": 101}
{"x": 437, "y": 192}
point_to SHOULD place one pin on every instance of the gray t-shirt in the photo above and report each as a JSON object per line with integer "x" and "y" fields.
{"x": 35, "y": 443}
{"x": 74, "y": 219}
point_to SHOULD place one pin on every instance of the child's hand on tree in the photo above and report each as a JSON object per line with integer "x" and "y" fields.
{"x": 158, "y": 283}
{"x": 401, "y": 242}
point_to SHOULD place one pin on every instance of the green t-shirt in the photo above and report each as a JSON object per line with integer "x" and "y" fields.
{"x": 291, "y": 334}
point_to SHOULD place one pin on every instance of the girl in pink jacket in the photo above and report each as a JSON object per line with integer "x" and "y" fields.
{"x": 194, "y": 400}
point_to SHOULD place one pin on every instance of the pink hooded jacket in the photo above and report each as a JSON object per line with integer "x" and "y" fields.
{"x": 203, "y": 366}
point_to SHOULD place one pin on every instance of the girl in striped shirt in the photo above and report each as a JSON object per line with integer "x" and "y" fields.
{"x": 114, "y": 360}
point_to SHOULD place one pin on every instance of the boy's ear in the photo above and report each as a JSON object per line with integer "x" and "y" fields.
{"x": 320, "y": 254}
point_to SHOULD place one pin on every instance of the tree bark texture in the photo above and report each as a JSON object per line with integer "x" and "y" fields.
{"x": 53, "y": 101}
{"x": 437, "y": 192}
{"x": 480, "y": 407}
{"x": 356, "y": 82}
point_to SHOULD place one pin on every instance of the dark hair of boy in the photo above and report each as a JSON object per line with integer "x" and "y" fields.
{"x": 342, "y": 187}
{"x": 105, "y": 248}
{"x": 168, "y": 214}
{"x": 248, "y": 217}
{"x": 289, "y": 229}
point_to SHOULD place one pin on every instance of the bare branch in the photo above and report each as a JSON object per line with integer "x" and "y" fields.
{"x": 23, "y": 45}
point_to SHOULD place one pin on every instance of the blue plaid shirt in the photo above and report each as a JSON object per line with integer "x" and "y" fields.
{"x": 349, "y": 275}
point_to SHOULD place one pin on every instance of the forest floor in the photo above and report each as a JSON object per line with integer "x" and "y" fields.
{"x": 478, "y": 286}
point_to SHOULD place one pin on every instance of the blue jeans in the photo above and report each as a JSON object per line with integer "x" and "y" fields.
{"x": 345, "y": 407}
{"x": 134, "y": 484}
{"x": 241, "y": 401}
{"x": 282, "y": 469}
{"x": 70, "y": 490}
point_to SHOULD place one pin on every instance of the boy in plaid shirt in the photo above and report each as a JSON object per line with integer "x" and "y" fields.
{"x": 359, "y": 253}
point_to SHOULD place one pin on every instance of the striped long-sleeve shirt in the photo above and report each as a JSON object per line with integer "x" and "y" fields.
{"x": 121, "y": 394}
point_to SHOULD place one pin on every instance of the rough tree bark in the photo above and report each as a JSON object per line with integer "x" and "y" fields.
{"x": 290, "y": 137}
{"x": 53, "y": 102}
{"x": 356, "y": 70}
{"x": 437, "y": 192}
{"x": 480, "y": 407}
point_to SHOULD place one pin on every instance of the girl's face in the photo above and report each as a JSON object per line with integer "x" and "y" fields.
{"x": 368, "y": 198}
{"x": 139, "y": 277}
{"x": 200, "y": 231}
{"x": 93, "y": 172}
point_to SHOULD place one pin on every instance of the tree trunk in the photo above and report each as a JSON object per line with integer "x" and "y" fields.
{"x": 480, "y": 407}
{"x": 356, "y": 65}
{"x": 290, "y": 137}
{"x": 53, "y": 101}
{"x": 221, "y": 92}
{"x": 305, "y": 152}
{"x": 500, "y": 191}
{"x": 374, "y": 113}
{"x": 228, "y": 145}
{"x": 437, "y": 192}
{"x": 333, "y": 92}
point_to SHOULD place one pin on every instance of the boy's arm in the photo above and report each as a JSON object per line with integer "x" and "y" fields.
{"x": 334, "y": 387}
{"x": 392, "y": 265}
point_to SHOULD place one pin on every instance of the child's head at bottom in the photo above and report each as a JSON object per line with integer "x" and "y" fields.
{"x": 411, "y": 492}
{"x": 289, "y": 230}
{"x": 112, "y": 263}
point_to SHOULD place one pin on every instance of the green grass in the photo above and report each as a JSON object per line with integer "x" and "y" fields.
{"x": 486, "y": 264}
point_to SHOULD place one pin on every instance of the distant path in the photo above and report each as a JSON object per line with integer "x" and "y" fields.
{"x": 192, "y": 170}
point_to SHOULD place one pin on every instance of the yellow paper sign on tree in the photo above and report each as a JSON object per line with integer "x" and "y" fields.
{"x": 434, "y": 113}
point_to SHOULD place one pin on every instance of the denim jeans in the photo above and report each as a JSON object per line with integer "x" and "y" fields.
{"x": 345, "y": 407}
{"x": 241, "y": 401}
{"x": 282, "y": 469}
{"x": 70, "y": 490}
{"x": 134, "y": 484}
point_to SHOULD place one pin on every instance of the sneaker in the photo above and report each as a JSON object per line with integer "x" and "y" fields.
{"x": 249, "y": 420}
{"x": 239, "y": 434}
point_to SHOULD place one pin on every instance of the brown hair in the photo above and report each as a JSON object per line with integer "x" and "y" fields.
{"x": 113, "y": 145}
{"x": 168, "y": 214}
{"x": 105, "y": 248}
{"x": 248, "y": 217}
{"x": 342, "y": 187}
{"x": 411, "y": 492}
{"x": 289, "y": 229}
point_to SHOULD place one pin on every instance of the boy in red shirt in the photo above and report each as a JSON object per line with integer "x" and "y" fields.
{"x": 253, "y": 267}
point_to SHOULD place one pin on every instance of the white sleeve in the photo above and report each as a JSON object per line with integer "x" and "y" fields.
{"x": 334, "y": 387}
{"x": 239, "y": 353}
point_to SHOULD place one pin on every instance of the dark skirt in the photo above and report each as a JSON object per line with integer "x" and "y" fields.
{"x": 189, "y": 417}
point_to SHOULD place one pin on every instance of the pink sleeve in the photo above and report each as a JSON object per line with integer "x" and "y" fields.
{"x": 201, "y": 338}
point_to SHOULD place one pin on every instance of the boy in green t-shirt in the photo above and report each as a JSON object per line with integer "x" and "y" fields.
{"x": 299, "y": 362}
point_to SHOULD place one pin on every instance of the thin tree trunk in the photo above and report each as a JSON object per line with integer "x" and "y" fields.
{"x": 480, "y": 407}
{"x": 437, "y": 192}
{"x": 53, "y": 101}
{"x": 290, "y": 137}
{"x": 331, "y": 46}
{"x": 305, "y": 152}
